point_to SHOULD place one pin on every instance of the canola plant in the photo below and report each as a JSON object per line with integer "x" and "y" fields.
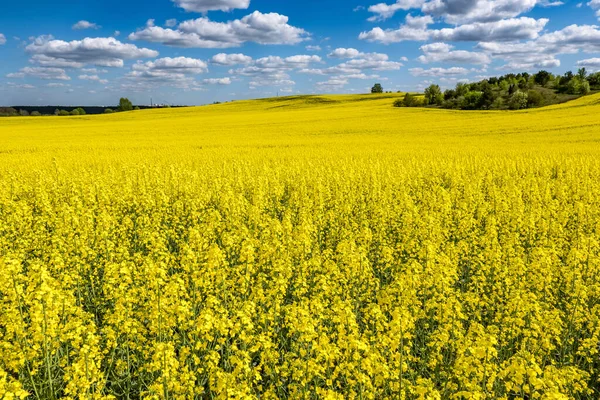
{"x": 301, "y": 248}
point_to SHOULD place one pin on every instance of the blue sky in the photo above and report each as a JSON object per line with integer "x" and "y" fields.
{"x": 199, "y": 51}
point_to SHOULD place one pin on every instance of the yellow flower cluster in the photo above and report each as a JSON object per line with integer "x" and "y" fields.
{"x": 361, "y": 252}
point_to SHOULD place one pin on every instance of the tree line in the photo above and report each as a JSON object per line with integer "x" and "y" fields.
{"x": 124, "y": 105}
{"x": 510, "y": 91}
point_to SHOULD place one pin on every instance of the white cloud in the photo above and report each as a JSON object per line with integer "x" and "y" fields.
{"x": 522, "y": 56}
{"x": 57, "y": 85}
{"x": 46, "y": 61}
{"x": 85, "y": 25}
{"x": 176, "y": 72}
{"x": 504, "y": 30}
{"x": 230, "y": 59}
{"x": 274, "y": 70}
{"x": 344, "y": 53}
{"x": 94, "y": 78}
{"x": 2, "y": 39}
{"x": 384, "y": 11}
{"x": 438, "y": 72}
{"x": 94, "y": 71}
{"x": 257, "y": 27}
{"x": 217, "y": 81}
{"x": 595, "y": 5}
{"x": 170, "y": 23}
{"x": 467, "y": 11}
{"x": 416, "y": 30}
{"x": 20, "y": 86}
{"x": 573, "y": 37}
{"x": 41, "y": 73}
{"x": 202, "y": 6}
{"x": 590, "y": 62}
{"x": 332, "y": 84}
{"x": 462, "y": 11}
{"x": 313, "y": 48}
{"x": 444, "y": 53}
{"x": 172, "y": 66}
{"x": 106, "y": 52}
{"x": 116, "y": 33}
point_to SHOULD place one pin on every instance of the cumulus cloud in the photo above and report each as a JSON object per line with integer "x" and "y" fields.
{"x": 522, "y": 56}
{"x": 313, "y": 48}
{"x": 444, "y": 53}
{"x": 384, "y": 11}
{"x": 590, "y": 63}
{"x": 573, "y": 37}
{"x": 46, "y": 61}
{"x": 414, "y": 29}
{"x": 170, "y": 23}
{"x": 344, "y": 53}
{"x": 332, "y": 84}
{"x": 81, "y": 25}
{"x": 438, "y": 72}
{"x": 178, "y": 72}
{"x": 257, "y": 27}
{"x": 217, "y": 81}
{"x": 462, "y": 11}
{"x": 595, "y": 5}
{"x": 202, "y": 6}
{"x": 41, "y": 73}
{"x": 94, "y": 78}
{"x": 230, "y": 59}
{"x": 2, "y": 39}
{"x": 106, "y": 52}
{"x": 354, "y": 68}
{"x": 275, "y": 70}
{"x": 503, "y": 30}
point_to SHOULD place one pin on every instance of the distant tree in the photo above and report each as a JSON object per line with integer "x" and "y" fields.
{"x": 472, "y": 101}
{"x": 125, "y": 105}
{"x": 57, "y": 112}
{"x": 512, "y": 89}
{"x": 74, "y": 112}
{"x": 63, "y": 113}
{"x": 23, "y": 113}
{"x": 566, "y": 78}
{"x": 534, "y": 99}
{"x": 81, "y": 111}
{"x": 408, "y": 101}
{"x": 542, "y": 78}
{"x": 518, "y": 101}
{"x": 582, "y": 74}
{"x": 377, "y": 88}
{"x": 594, "y": 79}
{"x": 449, "y": 94}
{"x": 136, "y": 108}
{"x": 433, "y": 95}
{"x": 109, "y": 111}
{"x": 461, "y": 89}
{"x": 584, "y": 88}
{"x": 36, "y": 114}
{"x": 7, "y": 111}
{"x": 488, "y": 96}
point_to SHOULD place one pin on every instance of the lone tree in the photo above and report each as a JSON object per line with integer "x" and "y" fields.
{"x": 377, "y": 88}
{"x": 125, "y": 104}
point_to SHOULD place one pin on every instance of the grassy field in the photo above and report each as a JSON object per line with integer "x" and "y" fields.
{"x": 313, "y": 247}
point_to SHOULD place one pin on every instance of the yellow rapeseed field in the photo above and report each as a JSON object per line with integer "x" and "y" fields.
{"x": 301, "y": 248}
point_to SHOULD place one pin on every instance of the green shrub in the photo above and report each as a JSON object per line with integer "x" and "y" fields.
{"x": 518, "y": 101}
